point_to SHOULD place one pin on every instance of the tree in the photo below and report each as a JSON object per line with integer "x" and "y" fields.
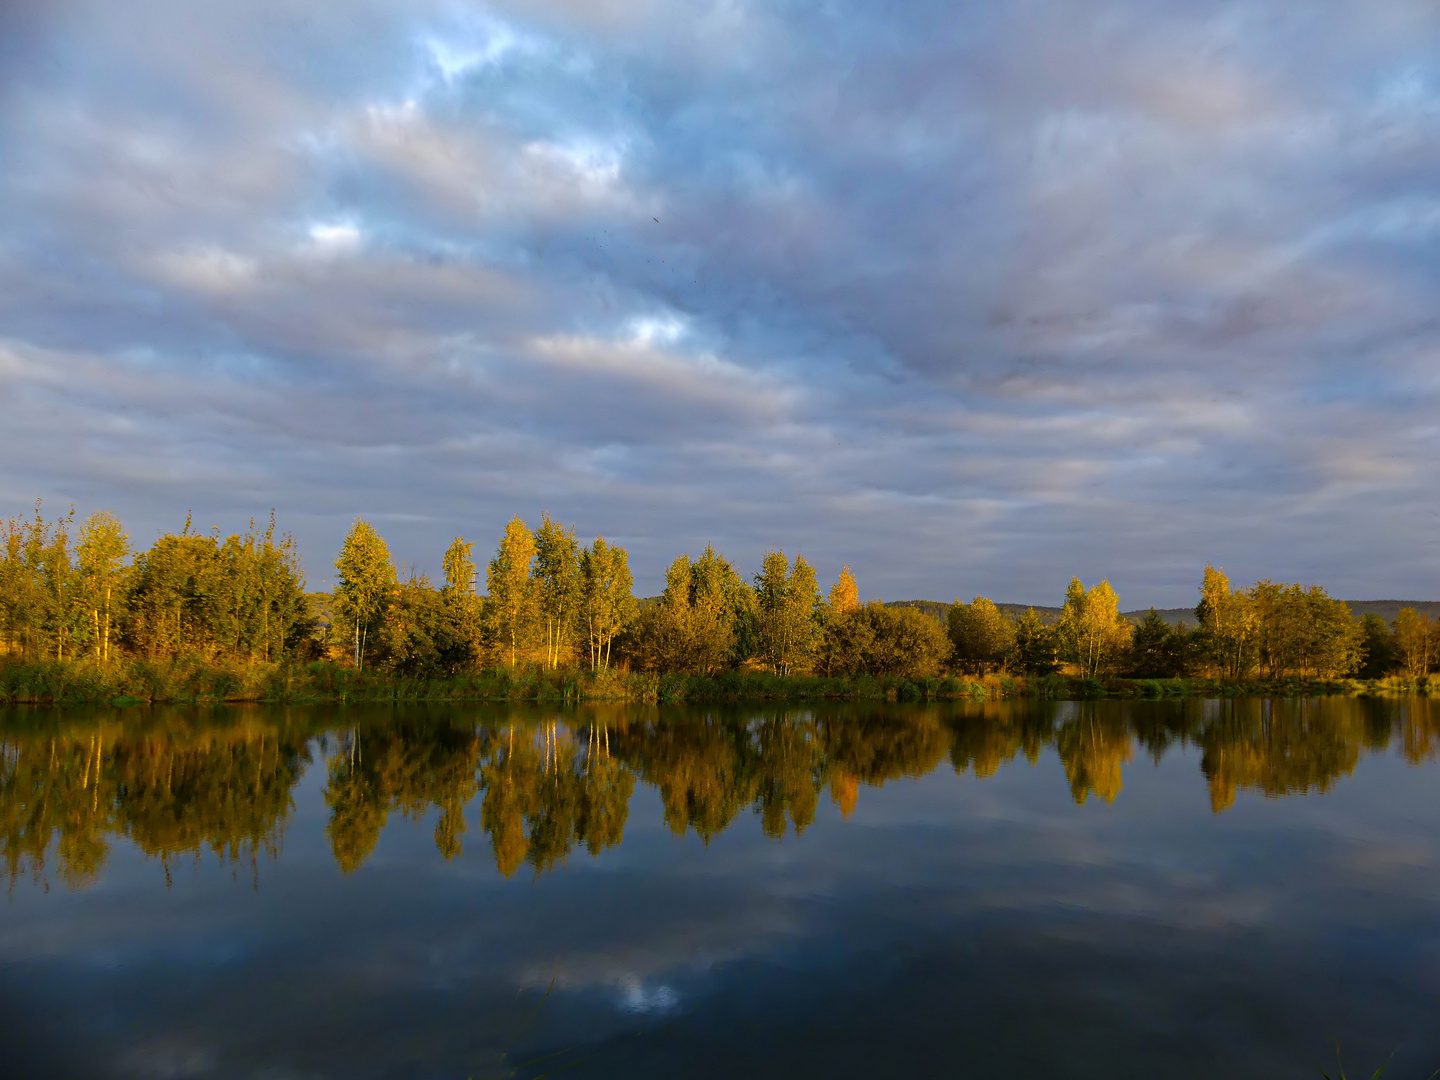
{"x": 1158, "y": 650}
{"x": 1301, "y": 631}
{"x": 511, "y": 603}
{"x": 1378, "y": 649}
{"x": 887, "y": 641}
{"x": 1091, "y": 632}
{"x": 1415, "y": 641}
{"x": 365, "y": 584}
{"x": 706, "y": 618}
{"x": 557, "y": 584}
{"x": 175, "y": 600}
{"x": 844, "y": 595}
{"x": 63, "y": 611}
{"x": 1227, "y": 625}
{"x": 458, "y": 596}
{"x": 1034, "y": 645}
{"x": 723, "y": 611}
{"x": 419, "y": 636}
{"x": 907, "y": 643}
{"x": 786, "y": 603}
{"x": 607, "y": 600}
{"x": 980, "y": 635}
{"x": 459, "y": 568}
{"x": 845, "y": 643}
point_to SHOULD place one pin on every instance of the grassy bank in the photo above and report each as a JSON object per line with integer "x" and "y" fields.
{"x": 141, "y": 681}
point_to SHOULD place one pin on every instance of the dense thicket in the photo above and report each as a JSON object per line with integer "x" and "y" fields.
{"x": 68, "y": 593}
{"x": 71, "y": 593}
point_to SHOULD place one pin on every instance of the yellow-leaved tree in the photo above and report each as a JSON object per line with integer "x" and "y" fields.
{"x": 1091, "y": 631}
{"x": 510, "y": 607}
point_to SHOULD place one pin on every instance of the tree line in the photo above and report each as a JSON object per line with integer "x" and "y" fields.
{"x": 541, "y": 791}
{"x": 71, "y": 591}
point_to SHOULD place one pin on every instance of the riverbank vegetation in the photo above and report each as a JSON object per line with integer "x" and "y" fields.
{"x": 84, "y": 617}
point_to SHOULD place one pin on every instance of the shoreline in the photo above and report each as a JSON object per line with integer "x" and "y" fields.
{"x": 141, "y": 682}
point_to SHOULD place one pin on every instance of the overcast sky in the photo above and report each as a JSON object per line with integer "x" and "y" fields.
{"x": 974, "y": 297}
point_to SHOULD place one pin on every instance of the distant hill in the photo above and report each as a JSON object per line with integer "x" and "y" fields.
{"x": 322, "y": 608}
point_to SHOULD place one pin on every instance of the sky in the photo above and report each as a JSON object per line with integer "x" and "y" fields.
{"x": 972, "y": 297}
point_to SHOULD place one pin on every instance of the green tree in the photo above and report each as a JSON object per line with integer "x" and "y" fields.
{"x": 846, "y": 643}
{"x": 903, "y": 642}
{"x": 981, "y": 636}
{"x": 1378, "y": 650}
{"x": 557, "y": 585}
{"x": 175, "y": 600}
{"x": 1301, "y": 631}
{"x": 419, "y": 636}
{"x": 1034, "y": 651}
{"x": 510, "y": 607}
{"x": 365, "y": 585}
{"x": 705, "y": 618}
{"x": 786, "y": 605}
{"x": 1158, "y": 650}
{"x": 458, "y": 598}
{"x": 607, "y": 600}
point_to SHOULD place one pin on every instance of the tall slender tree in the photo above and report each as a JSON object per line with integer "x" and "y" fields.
{"x": 458, "y": 596}
{"x": 844, "y": 595}
{"x": 607, "y": 600}
{"x": 786, "y": 601}
{"x": 365, "y": 585}
{"x": 510, "y": 606}
{"x": 557, "y": 585}
{"x": 1227, "y": 625}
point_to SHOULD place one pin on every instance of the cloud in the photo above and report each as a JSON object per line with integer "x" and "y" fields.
{"x": 972, "y": 299}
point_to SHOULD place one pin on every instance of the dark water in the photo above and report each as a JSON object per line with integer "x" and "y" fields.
{"x": 1111, "y": 889}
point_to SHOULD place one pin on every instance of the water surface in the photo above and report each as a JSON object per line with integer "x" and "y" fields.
{"x": 1104, "y": 889}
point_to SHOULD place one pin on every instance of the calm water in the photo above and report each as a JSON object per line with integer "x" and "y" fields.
{"x": 1136, "y": 889}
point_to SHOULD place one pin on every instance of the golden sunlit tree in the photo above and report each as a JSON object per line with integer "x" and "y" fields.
{"x": 1227, "y": 625}
{"x": 510, "y": 607}
{"x": 844, "y": 594}
{"x": 1091, "y": 631}
{"x": 365, "y": 584}
{"x": 981, "y": 636}
{"x": 786, "y": 604}
{"x": 459, "y": 599}
{"x": 1416, "y": 638}
{"x": 556, "y": 576}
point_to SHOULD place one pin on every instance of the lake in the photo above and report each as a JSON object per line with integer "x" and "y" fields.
{"x": 1019, "y": 889}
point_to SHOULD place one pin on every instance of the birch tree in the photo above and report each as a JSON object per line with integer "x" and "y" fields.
{"x": 786, "y": 601}
{"x": 557, "y": 584}
{"x": 607, "y": 600}
{"x": 366, "y": 580}
{"x": 1091, "y": 631}
{"x": 1415, "y": 641}
{"x": 510, "y": 606}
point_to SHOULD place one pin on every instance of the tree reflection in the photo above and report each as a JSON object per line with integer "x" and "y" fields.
{"x": 544, "y": 787}
{"x": 171, "y": 790}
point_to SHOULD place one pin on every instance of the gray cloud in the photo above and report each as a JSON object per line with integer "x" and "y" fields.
{"x": 973, "y": 299}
